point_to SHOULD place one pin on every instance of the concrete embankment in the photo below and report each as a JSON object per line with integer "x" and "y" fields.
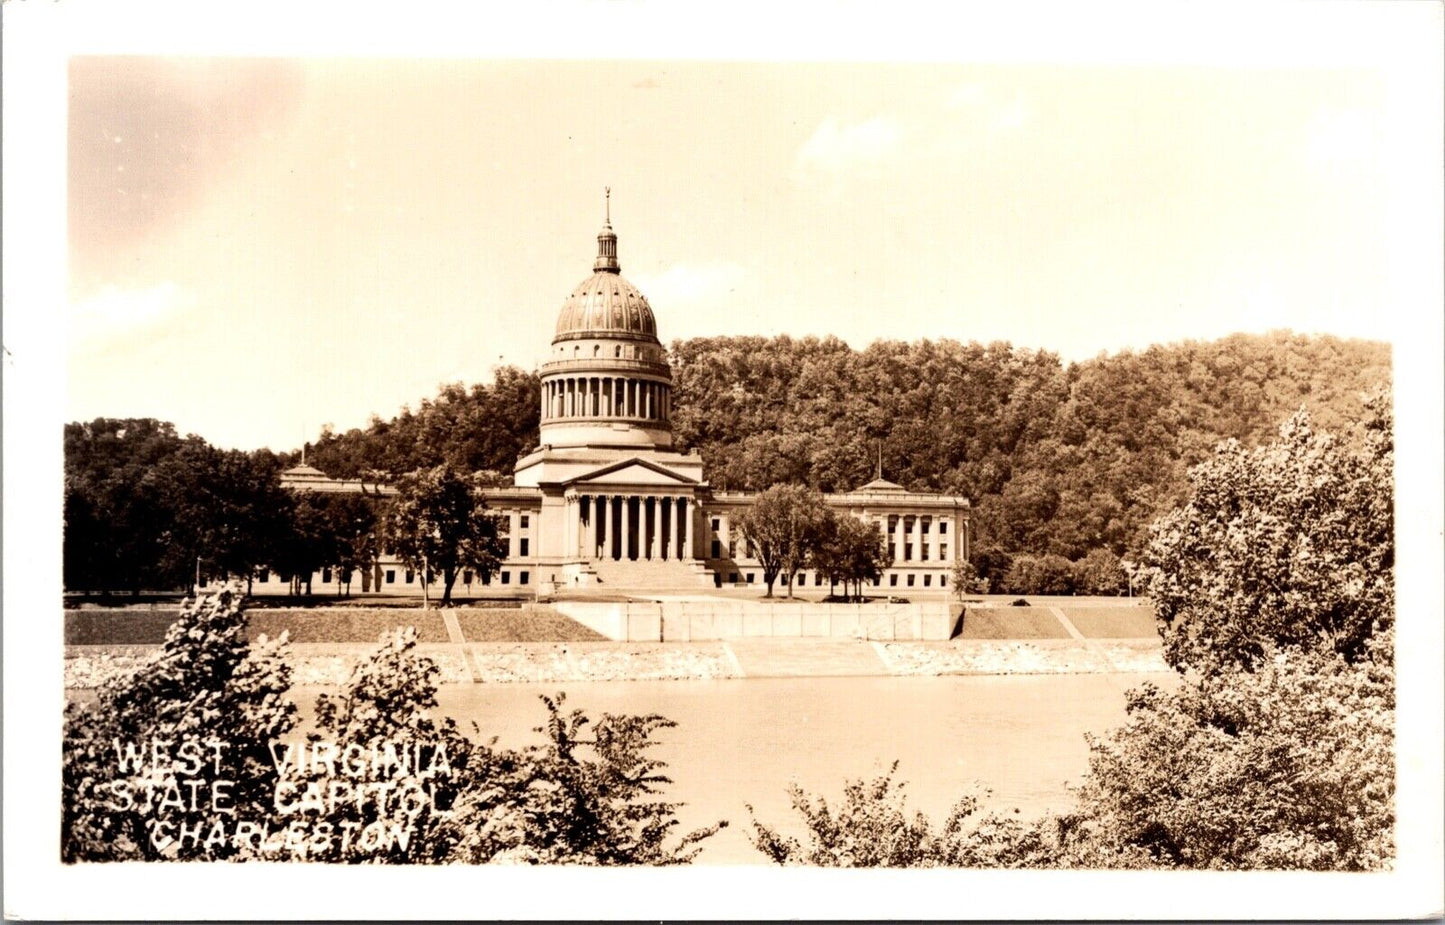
{"x": 502, "y": 648}
{"x": 506, "y": 663}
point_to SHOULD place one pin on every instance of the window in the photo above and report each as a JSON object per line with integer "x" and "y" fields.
{"x": 596, "y": 349}
{"x": 522, "y": 577}
{"x": 923, "y": 549}
{"x": 410, "y": 576}
{"x": 943, "y": 551}
{"x": 526, "y": 521}
{"x": 802, "y": 579}
{"x": 923, "y": 525}
{"x": 927, "y": 581}
{"x": 263, "y": 576}
{"x": 716, "y": 524}
{"x": 716, "y": 549}
{"x": 506, "y": 578}
{"x": 732, "y": 548}
{"x": 892, "y": 581}
{"x": 877, "y": 580}
{"x": 466, "y": 576}
{"x": 717, "y": 579}
{"x": 910, "y": 581}
{"x": 750, "y": 577}
{"x": 943, "y": 581}
{"x": 942, "y": 526}
{"x": 619, "y": 352}
{"x": 732, "y": 578}
{"x": 522, "y": 546}
{"x": 391, "y": 576}
{"x": 907, "y": 552}
{"x": 326, "y": 576}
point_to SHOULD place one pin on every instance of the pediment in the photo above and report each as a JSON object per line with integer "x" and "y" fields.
{"x": 634, "y": 471}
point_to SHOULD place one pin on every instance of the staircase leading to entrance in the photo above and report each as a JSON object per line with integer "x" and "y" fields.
{"x": 649, "y": 574}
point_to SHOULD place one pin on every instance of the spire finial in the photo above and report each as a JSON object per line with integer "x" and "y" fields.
{"x": 606, "y": 261}
{"x": 880, "y": 459}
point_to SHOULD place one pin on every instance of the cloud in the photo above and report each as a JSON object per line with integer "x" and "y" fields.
{"x": 692, "y": 284}
{"x": 836, "y": 149}
{"x": 113, "y": 311}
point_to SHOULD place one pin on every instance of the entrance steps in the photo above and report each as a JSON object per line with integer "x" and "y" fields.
{"x": 649, "y": 575}
{"x": 801, "y": 658}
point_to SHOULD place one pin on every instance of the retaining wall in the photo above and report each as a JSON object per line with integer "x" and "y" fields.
{"x": 691, "y": 621}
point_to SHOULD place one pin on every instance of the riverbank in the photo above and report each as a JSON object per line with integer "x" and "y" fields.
{"x": 89, "y": 666}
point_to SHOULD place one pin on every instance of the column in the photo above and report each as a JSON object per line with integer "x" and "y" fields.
{"x": 898, "y": 540}
{"x": 685, "y": 513}
{"x": 918, "y": 537}
{"x": 569, "y": 526}
{"x": 630, "y": 535}
{"x": 654, "y": 539}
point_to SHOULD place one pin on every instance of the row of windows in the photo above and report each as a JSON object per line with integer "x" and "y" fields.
{"x": 819, "y": 581}
{"x": 264, "y": 575}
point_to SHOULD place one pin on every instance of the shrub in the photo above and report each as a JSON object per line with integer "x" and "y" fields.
{"x": 1039, "y": 575}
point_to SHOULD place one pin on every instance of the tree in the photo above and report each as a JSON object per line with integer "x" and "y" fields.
{"x": 353, "y": 522}
{"x": 1289, "y": 765}
{"x": 207, "y": 693}
{"x": 782, "y": 525}
{"x": 850, "y": 550}
{"x": 438, "y": 522}
{"x": 1047, "y": 574}
{"x": 1099, "y": 572}
{"x": 1288, "y": 545}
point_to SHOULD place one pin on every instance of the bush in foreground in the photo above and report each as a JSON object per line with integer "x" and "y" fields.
{"x": 194, "y": 757}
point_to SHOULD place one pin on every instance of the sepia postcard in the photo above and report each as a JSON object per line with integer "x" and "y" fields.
{"x": 832, "y": 461}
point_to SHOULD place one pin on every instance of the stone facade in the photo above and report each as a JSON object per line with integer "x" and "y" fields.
{"x": 606, "y": 502}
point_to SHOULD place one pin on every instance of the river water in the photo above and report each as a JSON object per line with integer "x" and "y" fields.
{"x": 742, "y": 742}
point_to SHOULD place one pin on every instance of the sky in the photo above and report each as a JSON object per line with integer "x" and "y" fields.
{"x": 307, "y": 241}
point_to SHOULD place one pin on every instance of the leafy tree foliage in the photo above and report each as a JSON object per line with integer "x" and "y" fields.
{"x": 482, "y": 428}
{"x": 1046, "y": 574}
{"x": 783, "y": 525}
{"x": 872, "y": 827}
{"x": 207, "y": 684}
{"x": 575, "y": 798}
{"x": 579, "y": 798}
{"x": 1286, "y": 766}
{"x": 1288, "y": 545}
{"x": 143, "y": 504}
{"x": 849, "y": 550}
{"x": 438, "y": 523}
{"x": 1057, "y": 459}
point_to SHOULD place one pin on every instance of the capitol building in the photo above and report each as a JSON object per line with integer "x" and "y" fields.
{"x": 607, "y": 502}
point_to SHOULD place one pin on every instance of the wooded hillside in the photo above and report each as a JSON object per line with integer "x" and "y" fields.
{"x": 1057, "y": 458}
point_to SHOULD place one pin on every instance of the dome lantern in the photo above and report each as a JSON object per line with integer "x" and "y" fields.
{"x": 606, "y": 261}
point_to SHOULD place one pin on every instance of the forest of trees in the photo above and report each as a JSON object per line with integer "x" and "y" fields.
{"x": 1060, "y": 460}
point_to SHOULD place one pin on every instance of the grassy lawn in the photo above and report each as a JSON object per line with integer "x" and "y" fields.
{"x": 534, "y": 625}
{"x": 1112, "y": 622}
{"x": 1010, "y": 623}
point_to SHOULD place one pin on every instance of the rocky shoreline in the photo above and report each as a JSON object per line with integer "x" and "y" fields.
{"x": 87, "y": 667}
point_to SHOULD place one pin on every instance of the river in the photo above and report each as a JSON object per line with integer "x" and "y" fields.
{"x": 743, "y": 741}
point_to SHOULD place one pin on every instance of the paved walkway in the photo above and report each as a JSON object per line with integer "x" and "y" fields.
{"x": 803, "y": 658}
